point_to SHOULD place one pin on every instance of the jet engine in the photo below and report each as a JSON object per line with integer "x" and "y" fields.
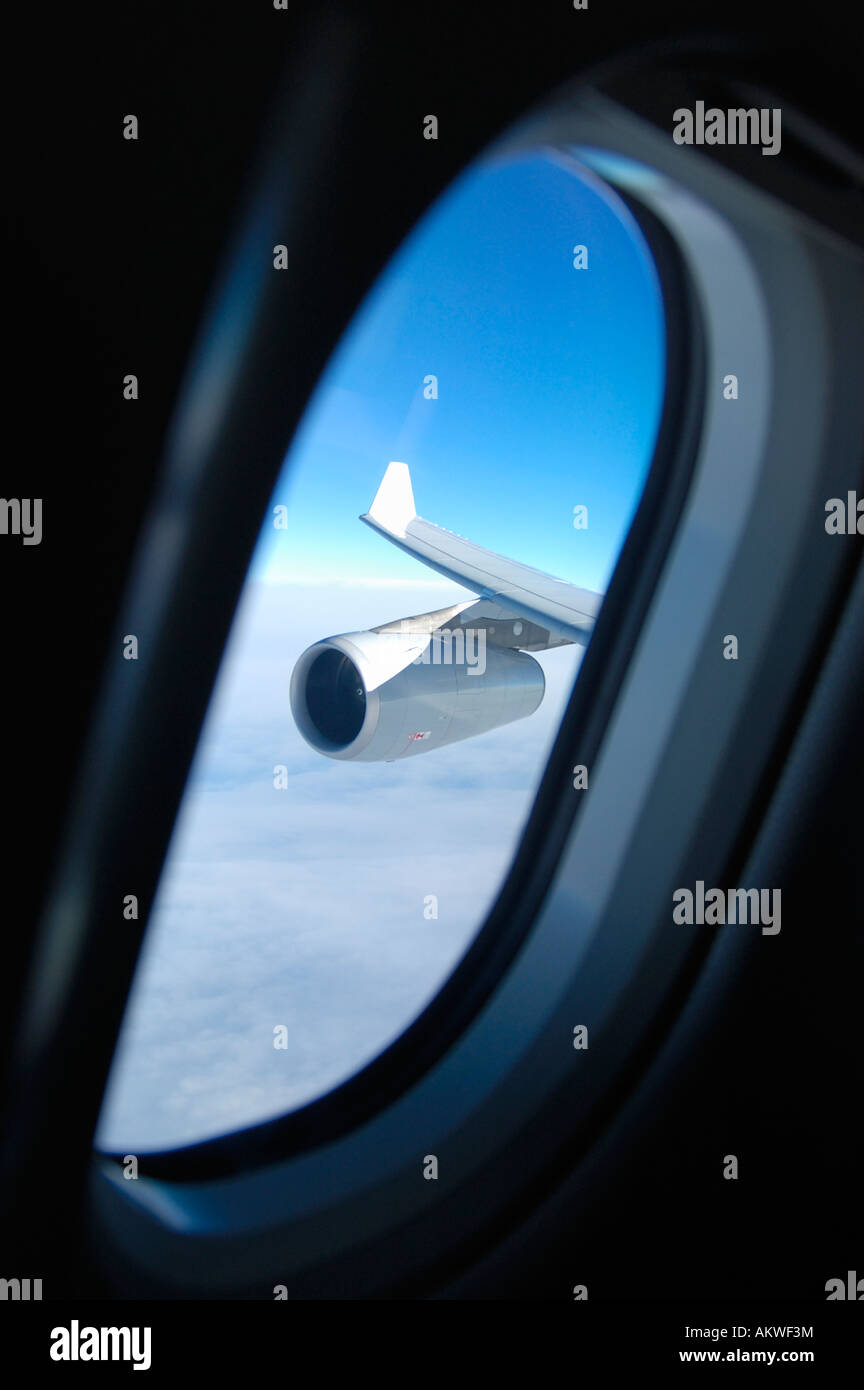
{"x": 378, "y": 696}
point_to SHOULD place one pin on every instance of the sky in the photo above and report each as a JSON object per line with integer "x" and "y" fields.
{"x": 303, "y": 907}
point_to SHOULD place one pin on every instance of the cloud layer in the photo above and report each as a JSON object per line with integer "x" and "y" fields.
{"x": 304, "y": 907}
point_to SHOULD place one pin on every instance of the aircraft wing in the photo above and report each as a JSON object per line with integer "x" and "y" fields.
{"x": 548, "y": 612}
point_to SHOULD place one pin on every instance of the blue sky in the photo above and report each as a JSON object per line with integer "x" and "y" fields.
{"x": 549, "y": 381}
{"x": 304, "y": 907}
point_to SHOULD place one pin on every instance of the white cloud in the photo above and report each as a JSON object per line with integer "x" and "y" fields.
{"x": 304, "y": 907}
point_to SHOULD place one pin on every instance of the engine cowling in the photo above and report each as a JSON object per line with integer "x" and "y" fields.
{"x": 378, "y": 696}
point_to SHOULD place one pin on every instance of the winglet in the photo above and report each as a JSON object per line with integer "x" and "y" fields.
{"x": 393, "y": 507}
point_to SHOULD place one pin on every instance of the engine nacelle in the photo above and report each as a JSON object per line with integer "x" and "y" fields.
{"x": 378, "y": 696}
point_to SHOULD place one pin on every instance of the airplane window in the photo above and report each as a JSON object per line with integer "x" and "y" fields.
{"x": 427, "y": 576}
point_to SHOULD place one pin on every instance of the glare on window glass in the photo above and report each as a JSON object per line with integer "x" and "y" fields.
{"x": 393, "y": 685}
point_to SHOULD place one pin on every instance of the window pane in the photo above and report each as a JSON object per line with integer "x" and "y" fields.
{"x": 313, "y": 902}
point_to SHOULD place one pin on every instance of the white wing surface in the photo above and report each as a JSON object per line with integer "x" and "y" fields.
{"x": 519, "y": 606}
